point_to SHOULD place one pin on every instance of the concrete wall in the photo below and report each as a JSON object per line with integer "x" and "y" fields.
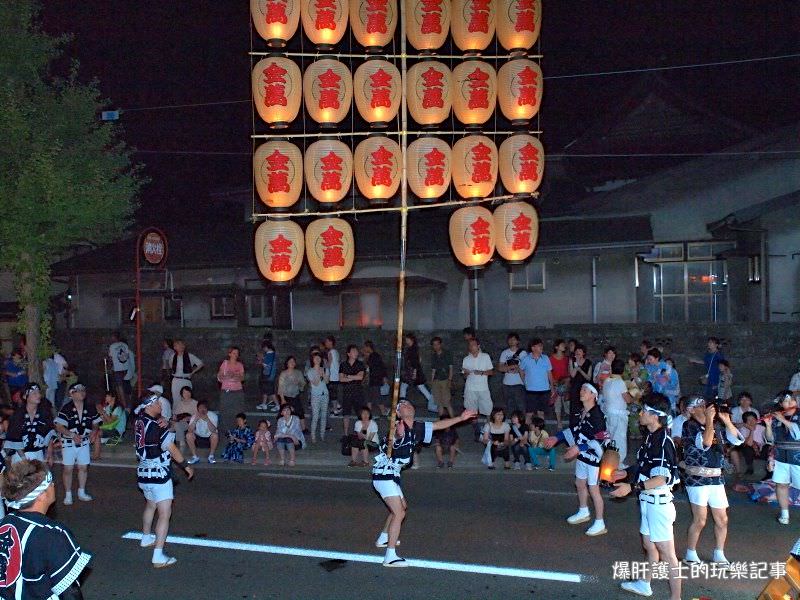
{"x": 783, "y": 248}
{"x": 763, "y": 356}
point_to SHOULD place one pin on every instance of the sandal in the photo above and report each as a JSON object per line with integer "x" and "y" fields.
{"x": 291, "y": 463}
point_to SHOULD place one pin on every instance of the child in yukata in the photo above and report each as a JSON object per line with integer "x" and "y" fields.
{"x": 239, "y": 439}
{"x": 263, "y": 441}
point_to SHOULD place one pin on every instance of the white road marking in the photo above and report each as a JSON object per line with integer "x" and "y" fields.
{"x": 363, "y": 481}
{"x": 114, "y": 465}
{"x": 372, "y": 559}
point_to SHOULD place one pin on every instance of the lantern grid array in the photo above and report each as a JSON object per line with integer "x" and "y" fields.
{"x": 333, "y": 169}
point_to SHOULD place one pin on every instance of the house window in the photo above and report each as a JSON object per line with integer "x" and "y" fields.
{"x": 260, "y": 309}
{"x": 360, "y": 309}
{"x": 152, "y": 310}
{"x": 691, "y": 292}
{"x": 223, "y": 307}
{"x": 529, "y": 277}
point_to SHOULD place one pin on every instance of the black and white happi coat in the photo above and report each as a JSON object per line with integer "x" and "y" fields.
{"x": 39, "y": 558}
{"x": 78, "y": 423}
{"x": 657, "y": 456}
{"x": 389, "y": 469}
{"x": 26, "y": 434}
{"x": 152, "y": 444}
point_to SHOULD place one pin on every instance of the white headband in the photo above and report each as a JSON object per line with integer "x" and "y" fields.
{"x": 658, "y": 413}
{"x": 591, "y": 388}
{"x": 33, "y": 495}
{"x": 147, "y": 402}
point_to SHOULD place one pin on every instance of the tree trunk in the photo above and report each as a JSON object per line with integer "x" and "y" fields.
{"x": 32, "y": 329}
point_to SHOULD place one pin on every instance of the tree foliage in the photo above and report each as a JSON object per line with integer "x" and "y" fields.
{"x": 66, "y": 178}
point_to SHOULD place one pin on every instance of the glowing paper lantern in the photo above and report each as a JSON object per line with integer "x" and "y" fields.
{"x": 518, "y": 23}
{"x": 324, "y": 21}
{"x": 327, "y": 91}
{"x": 473, "y": 23}
{"x": 378, "y": 164}
{"x": 427, "y": 23}
{"x": 330, "y": 249}
{"x": 328, "y": 169}
{"x": 279, "y": 250}
{"x": 474, "y": 92}
{"x": 429, "y": 167}
{"x": 474, "y": 166}
{"x": 520, "y": 85}
{"x": 472, "y": 236}
{"x": 278, "y": 171}
{"x": 373, "y": 22}
{"x": 428, "y": 92}
{"x": 376, "y": 86}
{"x": 275, "y": 20}
{"x": 521, "y": 164}
{"x": 516, "y": 231}
{"x": 276, "y": 90}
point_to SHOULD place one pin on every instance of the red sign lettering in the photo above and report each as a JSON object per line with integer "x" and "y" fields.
{"x": 380, "y": 82}
{"x": 326, "y": 14}
{"x": 281, "y": 250}
{"x": 521, "y": 226}
{"x": 381, "y": 161}
{"x": 529, "y": 163}
{"x": 331, "y": 172}
{"x": 434, "y": 163}
{"x": 332, "y": 248}
{"x": 329, "y": 89}
{"x": 275, "y": 12}
{"x": 526, "y": 16}
{"x": 528, "y": 84}
{"x": 478, "y": 84}
{"x": 480, "y": 236}
{"x": 481, "y": 163}
{"x": 277, "y": 172}
{"x": 376, "y": 16}
{"x": 431, "y": 16}
{"x": 479, "y": 17}
{"x": 274, "y": 85}
{"x": 432, "y": 89}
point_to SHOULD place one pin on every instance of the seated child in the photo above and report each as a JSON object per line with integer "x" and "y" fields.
{"x": 262, "y": 441}
{"x": 537, "y": 436}
{"x": 519, "y": 441}
{"x": 239, "y": 440}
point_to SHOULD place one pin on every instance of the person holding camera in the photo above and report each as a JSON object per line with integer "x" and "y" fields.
{"x": 705, "y": 435}
{"x": 783, "y": 430}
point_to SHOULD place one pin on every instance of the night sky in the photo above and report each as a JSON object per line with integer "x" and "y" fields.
{"x": 154, "y": 52}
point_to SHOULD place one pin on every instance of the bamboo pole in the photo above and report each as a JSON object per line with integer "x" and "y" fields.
{"x": 401, "y": 283}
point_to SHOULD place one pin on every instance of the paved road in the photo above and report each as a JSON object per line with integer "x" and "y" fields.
{"x": 469, "y": 516}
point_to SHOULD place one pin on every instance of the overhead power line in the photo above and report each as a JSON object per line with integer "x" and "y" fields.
{"x": 569, "y": 76}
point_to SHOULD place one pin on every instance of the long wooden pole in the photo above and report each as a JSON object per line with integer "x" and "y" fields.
{"x": 401, "y": 283}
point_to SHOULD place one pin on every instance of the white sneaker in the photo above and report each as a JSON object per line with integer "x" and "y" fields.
{"x": 721, "y": 561}
{"x": 147, "y": 540}
{"x": 211, "y": 459}
{"x": 194, "y": 460}
{"x": 639, "y": 587}
{"x": 579, "y": 517}
{"x": 68, "y": 498}
{"x": 529, "y": 467}
{"x": 382, "y": 542}
{"x": 84, "y": 497}
{"x": 783, "y": 520}
{"x": 170, "y": 560}
{"x": 597, "y": 528}
{"x": 517, "y": 466}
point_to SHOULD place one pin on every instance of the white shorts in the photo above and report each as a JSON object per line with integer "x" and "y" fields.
{"x": 708, "y": 495}
{"x": 657, "y": 518}
{"x": 156, "y": 492}
{"x": 480, "y": 400}
{"x": 35, "y": 455}
{"x": 71, "y": 455}
{"x": 387, "y": 488}
{"x": 786, "y": 474}
{"x": 586, "y": 472}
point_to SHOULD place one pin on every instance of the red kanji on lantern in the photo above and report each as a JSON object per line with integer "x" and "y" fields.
{"x": 276, "y": 12}
{"x": 431, "y": 16}
{"x": 521, "y": 227}
{"x": 331, "y": 172}
{"x": 281, "y": 250}
{"x": 526, "y": 16}
{"x": 481, "y": 163}
{"x": 478, "y": 83}
{"x": 480, "y": 236}
{"x": 380, "y": 81}
{"x": 432, "y": 88}
{"x": 376, "y": 16}
{"x": 329, "y": 89}
{"x": 529, "y": 163}
{"x": 332, "y": 248}
{"x": 326, "y": 14}
{"x": 274, "y": 85}
{"x": 528, "y": 82}
{"x": 278, "y": 172}
{"x": 381, "y": 161}
{"x": 434, "y": 161}
{"x": 479, "y": 18}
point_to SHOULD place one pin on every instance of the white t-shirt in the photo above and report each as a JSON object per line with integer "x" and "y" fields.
{"x": 166, "y": 408}
{"x": 61, "y": 362}
{"x": 613, "y": 401}
{"x": 677, "y": 426}
{"x": 333, "y": 365}
{"x": 200, "y": 425}
{"x": 166, "y": 359}
{"x": 511, "y": 378}
{"x": 179, "y": 364}
{"x": 482, "y": 362}
{"x": 737, "y": 412}
{"x": 120, "y": 355}
{"x": 372, "y": 429}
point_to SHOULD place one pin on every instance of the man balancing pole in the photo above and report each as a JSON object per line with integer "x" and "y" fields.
{"x": 389, "y": 463}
